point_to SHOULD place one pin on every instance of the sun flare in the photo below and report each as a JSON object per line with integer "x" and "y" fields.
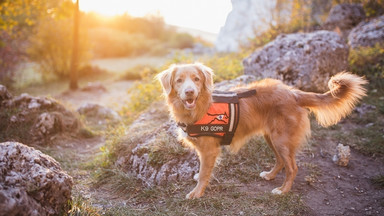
{"x": 197, "y": 14}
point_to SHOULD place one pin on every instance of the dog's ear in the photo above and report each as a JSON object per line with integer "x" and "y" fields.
{"x": 165, "y": 78}
{"x": 208, "y": 75}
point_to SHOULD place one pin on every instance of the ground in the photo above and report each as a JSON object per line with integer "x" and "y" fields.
{"x": 321, "y": 187}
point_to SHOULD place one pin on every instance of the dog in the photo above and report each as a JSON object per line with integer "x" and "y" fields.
{"x": 277, "y": 111}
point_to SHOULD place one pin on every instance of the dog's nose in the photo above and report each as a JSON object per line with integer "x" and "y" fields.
{"x": 189, "y": 92}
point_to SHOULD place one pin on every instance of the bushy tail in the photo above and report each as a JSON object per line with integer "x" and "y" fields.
{"x": 346, "y": 90}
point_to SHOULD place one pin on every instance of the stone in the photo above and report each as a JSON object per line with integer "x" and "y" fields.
{"x": 38, "y": 119}
{"x": 4, "y": 94}
{"x": 345, "y": 16}
{"x": 94, "y": 87}
{"x": 91, "y": 110}
{"x": 367, "y": 33}
{"x": 342, "y": 156}
{"x": 304, "y": 60}
{"x": 31, "y": 183}
{"x": 242, "y": 80}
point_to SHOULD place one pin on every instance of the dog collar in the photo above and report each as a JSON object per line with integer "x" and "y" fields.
{"x": 221, "y": 119}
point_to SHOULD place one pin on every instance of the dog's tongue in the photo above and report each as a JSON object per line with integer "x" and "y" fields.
{"x": 190, "y": 103}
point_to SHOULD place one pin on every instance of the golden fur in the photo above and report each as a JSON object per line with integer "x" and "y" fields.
{"x": 278, "y": 112}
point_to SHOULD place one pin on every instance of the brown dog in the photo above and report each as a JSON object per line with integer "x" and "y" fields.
{"x": 276, "y": 111}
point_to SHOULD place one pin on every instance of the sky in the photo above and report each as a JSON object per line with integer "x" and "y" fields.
{"x": 205, "y": 15}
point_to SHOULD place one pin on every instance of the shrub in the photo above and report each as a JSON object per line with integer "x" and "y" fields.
{"x": 51, "y": 47}
{"x": 139, "y": 72}
{"x": 369, "y": 62}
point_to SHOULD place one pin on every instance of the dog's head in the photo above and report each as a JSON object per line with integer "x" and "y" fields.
{"x": 187, "y": 82}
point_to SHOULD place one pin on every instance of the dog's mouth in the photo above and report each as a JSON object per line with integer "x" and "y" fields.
{"x": 190, "y": 103}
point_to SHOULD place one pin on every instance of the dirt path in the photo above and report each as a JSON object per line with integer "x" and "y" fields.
{"x": 114, "y": 96}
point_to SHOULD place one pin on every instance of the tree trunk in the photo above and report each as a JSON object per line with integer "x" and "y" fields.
{"x": 75, "y": 50}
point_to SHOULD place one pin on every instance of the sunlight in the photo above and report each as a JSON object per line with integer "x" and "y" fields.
{"x": 197, "y": 14}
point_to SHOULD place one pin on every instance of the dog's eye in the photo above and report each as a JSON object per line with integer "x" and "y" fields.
{"x": 197, "y": 79}
{"x": 179, "y": 80}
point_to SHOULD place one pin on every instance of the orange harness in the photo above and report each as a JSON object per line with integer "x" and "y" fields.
{"x": 221, "y": 119}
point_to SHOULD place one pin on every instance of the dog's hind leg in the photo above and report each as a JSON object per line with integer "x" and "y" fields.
{"x": 288, "y": 157}
{"x": 278, "y": 165}
{"x": 208, "y": 158}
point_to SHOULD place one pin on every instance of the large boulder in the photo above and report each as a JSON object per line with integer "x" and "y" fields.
{"x": 31, "y": 183}
{"x": 34, "y": 120}
{"x": 345, "y": 16}
{"x": 304, "y": 60}
{"x": 367, "y": 34}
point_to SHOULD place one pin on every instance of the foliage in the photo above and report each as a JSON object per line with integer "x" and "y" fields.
{"x": 124, "y": 35}
{"x": 51, "y": 46}
{"x": 142, "y": 95}
{"x": 80, "y": 206}
{"x": 139, "y": 72}
{"x": 226, "y": 66}
{"x": 18, "y": 19}
{"x": 290, "y": 16}
{"x": 369, "y": 62}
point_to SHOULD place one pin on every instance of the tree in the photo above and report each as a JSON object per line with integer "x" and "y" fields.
{"x": 75, "y": 50}
{"x": 52, "y": 45}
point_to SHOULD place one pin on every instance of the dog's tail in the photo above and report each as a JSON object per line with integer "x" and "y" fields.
{"x": 346, "y": 90}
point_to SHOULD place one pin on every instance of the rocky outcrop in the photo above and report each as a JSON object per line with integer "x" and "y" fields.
{"x": 367, "y": 34}
{"x": 31, "y": 183}
{"x": 345, "y": 16}
{"x": 240, "y": 24}
{"x": 304, "y": 60}
{"x": 35, "y": 120}
{"x": 152, "y": 152}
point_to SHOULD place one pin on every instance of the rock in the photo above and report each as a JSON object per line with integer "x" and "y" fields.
{"x": 98, "y": 112}
{"x": 4, "y": 94}
{"x": 367, "y": 34}
{"x": 345, "y": 16}
{"x": 240, "y": 24}
{"x": 364, "y": 108}
{"x": 304, "y": 60}
{"x": 35, "y": 120}
{"x": 94, "y": 87}
{"x": 31, "y": 183}
{"x": 343, "y": 153}
{"x": 227, "y": 85}
{"x": 152, "y": 152}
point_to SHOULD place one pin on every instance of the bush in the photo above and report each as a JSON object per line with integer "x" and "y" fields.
{"x": 139, "y": 72}
{"x": 51, "y": 47}
{"x": 369, "y": 62}
{"x": 226, "y": 66}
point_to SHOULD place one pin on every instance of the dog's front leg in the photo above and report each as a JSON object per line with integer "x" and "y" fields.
{"x": 208, "y": 155}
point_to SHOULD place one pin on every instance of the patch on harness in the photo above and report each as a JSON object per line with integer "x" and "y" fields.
{"x": 221, "y": 119}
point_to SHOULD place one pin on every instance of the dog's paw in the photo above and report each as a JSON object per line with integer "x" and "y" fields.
{"x": 264, "y": 175}
{"x": 193, "y": 195}
{"x": 277, "y": 191}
